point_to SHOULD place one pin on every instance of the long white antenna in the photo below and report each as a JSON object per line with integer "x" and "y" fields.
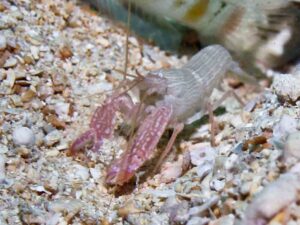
{"x": 126, "y": 40}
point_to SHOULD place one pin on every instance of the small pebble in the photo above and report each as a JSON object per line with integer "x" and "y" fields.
{"x": 2, "y": 166}
{"x": 199, "y": 210}
{"x": 28, "y": 95}
{"x": 104, "y": 42}
{"x": 23, "y": 136}
{"x": 177, "y": 210}
{"x": 284, "y": 127}
{"x": 39, "y": 138}
{"x": 292, "y": 145}
{"x": 55, "y": 218}
{"x": 273, "y": 199}
{"x": 2, "y": 42}
{"x": 40, "y": 189}
{"x": 11, "y": 62}
{"x": 231, "y": 161}
{"x": 64, "y": 205}
{"x": 28, "y": 59}
{"x": 225, "y": 220}
{"x": 80, "y": 172}
{"x": 96, "y": 173}
{"x": 245, "y": 188}
{"x": 198, "y": 221}
{"x": 34, "y": 52}
{"x": 23, "y": 151}
{"x": 2, "y": 9}
{"x": 287, "y": 86}
{"x": 62, "y": 109}
{"x": 202, "y": 154}
{"x": 171, "y": 171}
{"x": 52, "y": 138}
{"x": 204, "y": 169}
{"x": 52, "y": 153}
{"x": 2, "y": 220}
{"x": 65, "y": 52}
{"x": 3, "y": 149}
{"x": 217, "y": 185}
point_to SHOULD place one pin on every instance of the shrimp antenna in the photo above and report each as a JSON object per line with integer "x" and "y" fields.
{"x": 127, "y": 39}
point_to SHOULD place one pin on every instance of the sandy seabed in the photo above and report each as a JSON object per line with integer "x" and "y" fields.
{"x": 58, "y": 62}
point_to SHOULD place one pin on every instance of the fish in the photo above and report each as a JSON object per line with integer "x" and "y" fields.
{"x": 260, "y": 34}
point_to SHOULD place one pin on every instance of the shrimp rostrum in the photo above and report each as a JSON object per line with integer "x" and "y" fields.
{"x": 170, "y": 98}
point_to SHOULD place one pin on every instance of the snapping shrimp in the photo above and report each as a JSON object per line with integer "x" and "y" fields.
{"x": 170, "y": 99}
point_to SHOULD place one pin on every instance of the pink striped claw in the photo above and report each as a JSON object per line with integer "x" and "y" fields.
{"x": 141, "y": 148}
{"x": 102, "y": 124}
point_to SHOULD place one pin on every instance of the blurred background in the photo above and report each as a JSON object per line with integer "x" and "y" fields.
{"x": 260, "y": 34}
{"x": 166, "y": 33}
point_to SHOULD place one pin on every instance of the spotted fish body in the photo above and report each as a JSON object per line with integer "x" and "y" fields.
{"x": 261, "y": 34}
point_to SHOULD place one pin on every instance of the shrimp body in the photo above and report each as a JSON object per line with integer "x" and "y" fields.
{"x": 169, "y": 99}
{"x": 189, "y": 88}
